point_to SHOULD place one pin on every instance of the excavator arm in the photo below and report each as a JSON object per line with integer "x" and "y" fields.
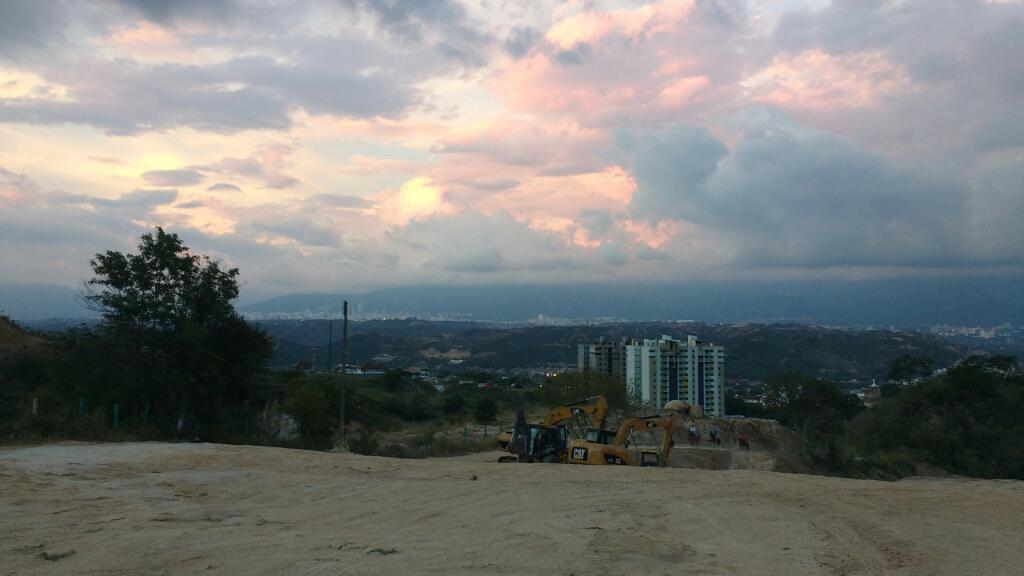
{"x": 595, "y": 406}
{"x": 585, "y": 452}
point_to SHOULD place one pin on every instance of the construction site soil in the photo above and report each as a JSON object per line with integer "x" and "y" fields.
{"x": 155, "y": 508}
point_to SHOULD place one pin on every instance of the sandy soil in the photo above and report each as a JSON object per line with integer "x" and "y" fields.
{"x": 149, "y": 508}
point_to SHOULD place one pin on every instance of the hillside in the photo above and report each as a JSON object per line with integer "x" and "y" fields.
{"x": 754, "y": 350}
{"x": 14, "y": 340}
{"x": 205, "y": 509}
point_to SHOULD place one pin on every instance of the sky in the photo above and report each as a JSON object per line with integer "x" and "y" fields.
{"x": 341, "y": 145}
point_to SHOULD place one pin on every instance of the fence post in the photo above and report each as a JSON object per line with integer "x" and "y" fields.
{"x": 485, "y": 430}
{"x": 116, "y": 413}
{"x": 465, "y": 432}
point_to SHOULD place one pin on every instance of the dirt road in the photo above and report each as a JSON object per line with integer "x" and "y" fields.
{"x": 202, "y": 509}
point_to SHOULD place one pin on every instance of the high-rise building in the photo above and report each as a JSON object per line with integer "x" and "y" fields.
{"x": 658, "y": 371}
{"x": 604, "y": 357}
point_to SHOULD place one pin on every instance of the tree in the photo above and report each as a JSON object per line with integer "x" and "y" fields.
{"x": 454, "y": 404}
{"x": 571, "y": 386}
{"x": 170, "y": 335}
{"x": 486, "y": 410}
{"x": 392, "y": 381}
{"x": 907, "y": 367}
{"x": 816, "y": 409}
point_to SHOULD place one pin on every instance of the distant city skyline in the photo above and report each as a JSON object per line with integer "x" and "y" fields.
{"x": 348, "y": 145}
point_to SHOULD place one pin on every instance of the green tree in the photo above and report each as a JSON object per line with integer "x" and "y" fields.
{"x": 907, "y": 367}
{"x": 454, "y": 404}
{"x": 392, "y": 381}
{"x": 572, "y": 386}
{"x": 314, "y": 405}
{"x": 815, "y": 409}
{"x": 965, "y": 422}
{"x": 486, "y": 410}
{"x": 170, "y": 336}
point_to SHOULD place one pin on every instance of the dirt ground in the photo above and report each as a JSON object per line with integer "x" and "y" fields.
{"x": 149, "y": 508}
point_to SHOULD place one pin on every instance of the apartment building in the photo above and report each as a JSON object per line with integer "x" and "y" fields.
{"x": 657, "y": 371}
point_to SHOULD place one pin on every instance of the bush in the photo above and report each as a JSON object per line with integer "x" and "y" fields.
{"x": 454, "y": 404}
{"x": 315, "y": 409}
{"x": 966, "y": 422}
{"x": 486, "y": 410}
{"x": 573, "y": 386}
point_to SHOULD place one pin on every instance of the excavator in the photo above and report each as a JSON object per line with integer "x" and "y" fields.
{"x": 546, "y": 442}
{"x": 619, "y": 452}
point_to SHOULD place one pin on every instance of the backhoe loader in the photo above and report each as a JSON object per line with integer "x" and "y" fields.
{"x": 619, "y": 451}
{"x": 546, "y": 442}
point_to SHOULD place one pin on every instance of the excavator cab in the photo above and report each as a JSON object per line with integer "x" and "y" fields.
{"x": 536, "y": 442}
{"x": 618, "y": 451}
{"x": 548, "y": 441}
{"x": 599, "y": 436}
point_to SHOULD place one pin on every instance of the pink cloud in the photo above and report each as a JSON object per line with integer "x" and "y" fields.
{"x": 592, "y": 26}
{"x": 817, "y": 80}
{"x": 682, "y": 91}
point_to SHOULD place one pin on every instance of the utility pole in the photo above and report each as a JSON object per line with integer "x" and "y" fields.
{"x": 344, "y": 365}
{"x": 330, "y": 344}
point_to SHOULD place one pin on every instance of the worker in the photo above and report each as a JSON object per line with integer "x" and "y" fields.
{"x": 694, "y": 434}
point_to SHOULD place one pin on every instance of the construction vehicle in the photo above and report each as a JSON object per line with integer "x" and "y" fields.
{"x": 620, "y": 452}
{"x": 546, "y": 442}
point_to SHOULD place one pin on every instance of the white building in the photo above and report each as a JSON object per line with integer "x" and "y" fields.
{"x": 658, "y": 371}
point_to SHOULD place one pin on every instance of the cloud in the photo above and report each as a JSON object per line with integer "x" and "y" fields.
{"x": 521, "y": 39}
{"x": 341, "y": 201}
{"x": 446, "y": 22}
{"x": 223, "y": 187}
{"x": 492, "y": 184}
{"x": 180, "y": 177}
{"x": 168, "y": 11}
{"x": 28, "y": 25}
{"x": 788, "y": 195}
{"x": 474, "y": 243}
{"x": 249, "y": 92}
{"x": 147, "y": 198}
{"x": 266, "y": 164}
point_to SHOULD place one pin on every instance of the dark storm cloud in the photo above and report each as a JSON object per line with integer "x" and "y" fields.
{"x": 787, "y": 195}
{"x": 182, "y": 177}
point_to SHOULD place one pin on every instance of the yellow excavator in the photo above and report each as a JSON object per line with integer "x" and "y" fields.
{"x": 619, "y": 452}
{"x": 546, "y": 442}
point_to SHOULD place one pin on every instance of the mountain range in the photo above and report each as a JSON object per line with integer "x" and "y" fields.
{"x": 899, "y": 302}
